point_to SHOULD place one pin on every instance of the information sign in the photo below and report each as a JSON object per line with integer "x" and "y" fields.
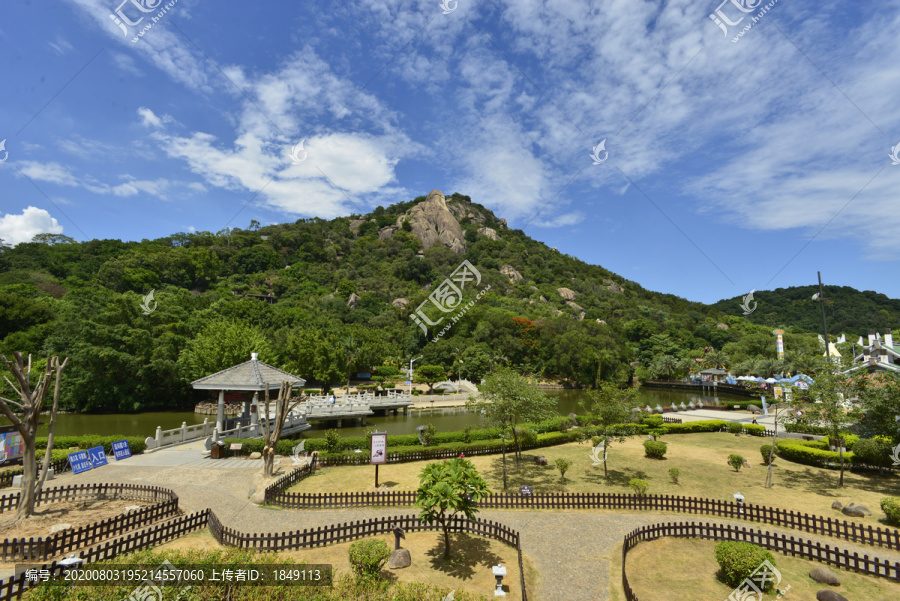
{"x": 121, "y": 450}
{"x": 98, "y": 457}
{"x": 80, "y": 462}
{"x": 379, "y": 449}
{"x": 526, "y": 490}
{"x": 11, "y": 446}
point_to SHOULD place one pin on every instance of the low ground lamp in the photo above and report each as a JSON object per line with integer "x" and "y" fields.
{"x": 739, "y": 498}
{"x": 499, "y": 573}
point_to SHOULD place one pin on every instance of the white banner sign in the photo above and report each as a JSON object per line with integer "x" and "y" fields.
{"x": 379, "y": 448}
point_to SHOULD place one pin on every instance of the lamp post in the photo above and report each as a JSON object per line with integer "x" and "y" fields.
{"x": 411, "y": 361}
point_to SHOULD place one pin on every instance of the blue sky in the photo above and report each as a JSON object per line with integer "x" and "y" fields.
{"x": 734, "y": 163}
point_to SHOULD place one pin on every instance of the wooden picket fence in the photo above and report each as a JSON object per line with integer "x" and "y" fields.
{"x": 824, "y": 526}
{"x": 91, "y": 492}
{"x": 58, "y": 467}
{"x": 43, "y": 548}
{"x": 288, "y": 480}
{"x": 774, "y": 542}
{"x": 15, "y": 586}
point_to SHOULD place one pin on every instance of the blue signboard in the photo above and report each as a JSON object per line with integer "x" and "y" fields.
{"x": 79, "y": 462}
{"x": 121, "y": 450}
{"x": 98, "y": 457}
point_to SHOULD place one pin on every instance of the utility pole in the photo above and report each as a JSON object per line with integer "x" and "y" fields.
{"x": 821, "y": 299}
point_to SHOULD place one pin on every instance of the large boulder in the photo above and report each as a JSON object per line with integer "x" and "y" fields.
{"x": 825, "y": 576}
{"x": 566, "y": 293}
{"x": 837, "y": 505}
{"x": 754, "y": 409}
{"x": 433, "y": 223}
{"x": 511, "y": 273}
{"x": 540, "y": 460}
{"x": 828, "y": 595}
{"x": 400, "y": 302}
{"x": 399, "y": 559}
{"x": 854, "y": 512}
{"x": 862, "y": 508}
{"x": 489, "y": 232}
{"x": 353, "y": 301}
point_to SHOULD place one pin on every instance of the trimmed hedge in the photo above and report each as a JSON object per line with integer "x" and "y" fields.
{"x": 61, "y": 444}
{"x": 764, "y": 451}
{"x": 754, "y": 429}
{"x": 655, "y": 449}
{"x": 810, "y": 452}
{"x": 739, "y": 560}
{"x": 873, "y": 452}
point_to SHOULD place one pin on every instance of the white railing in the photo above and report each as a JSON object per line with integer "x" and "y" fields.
{"x": 174, "y": 436}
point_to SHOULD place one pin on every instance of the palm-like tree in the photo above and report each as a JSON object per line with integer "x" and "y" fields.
{"x": 718, "y": 359}
{"x": 665, "y": 365}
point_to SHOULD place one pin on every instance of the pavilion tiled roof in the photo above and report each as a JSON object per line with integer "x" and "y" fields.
{"x": 251, "y": 375}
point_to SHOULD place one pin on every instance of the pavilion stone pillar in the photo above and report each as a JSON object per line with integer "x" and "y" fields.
{"x": 220, "y": 412}
{"x": 254, "y": 410}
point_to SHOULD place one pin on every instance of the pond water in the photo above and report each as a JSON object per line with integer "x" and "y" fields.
{"x": 144, "y": 424}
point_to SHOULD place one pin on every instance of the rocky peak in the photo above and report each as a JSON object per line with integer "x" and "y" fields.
{"x": 433, "y": 223}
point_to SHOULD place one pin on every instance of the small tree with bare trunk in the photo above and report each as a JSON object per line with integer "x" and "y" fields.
{"x": 32, "y": 402}
{"x": 272, "y": 431}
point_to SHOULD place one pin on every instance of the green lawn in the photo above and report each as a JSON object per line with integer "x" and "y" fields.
{"x": 652, "y": 575}
{"x": 702, "y": 459}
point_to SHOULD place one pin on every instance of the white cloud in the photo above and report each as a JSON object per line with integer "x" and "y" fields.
{"x": 15, "y": 229}
{"x": 60, "y": 45}
{"x": 49, "y": 172}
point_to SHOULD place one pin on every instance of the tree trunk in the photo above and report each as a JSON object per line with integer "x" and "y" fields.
{"x": 504, "y": 463}
{"x": 26, "y": 495}
{"x": 516, "y": 447}
{"x": 841, "y": 448}
{"x": 269, "y": 461}
{"x": 446, "y": 539}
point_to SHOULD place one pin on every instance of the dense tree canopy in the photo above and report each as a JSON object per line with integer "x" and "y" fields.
{"x": 285, "y": 292}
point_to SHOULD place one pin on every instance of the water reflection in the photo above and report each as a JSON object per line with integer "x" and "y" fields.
{"x": 446, "y": 419}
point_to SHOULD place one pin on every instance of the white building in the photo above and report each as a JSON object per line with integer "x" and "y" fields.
{"x": 879, "y": 354}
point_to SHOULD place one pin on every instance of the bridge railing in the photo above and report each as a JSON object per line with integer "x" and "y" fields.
{"x": 164, "y": 438}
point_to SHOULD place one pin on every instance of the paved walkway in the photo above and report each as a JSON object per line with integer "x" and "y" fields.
{"x": 189, "y": 454}
{"x": 565, "y": 546}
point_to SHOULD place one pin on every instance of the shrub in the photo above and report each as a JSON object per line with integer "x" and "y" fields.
{"x": 735, "y": 427}
{"x": 368, "y": 556}
{"x": 428, "y": 435}
{"x": 526, "y": 437}
{"x": 708, "y": 425}
{"x": 657, "y": 432}
{"x": 674, "y": 473}
{"x": 891, "y": 508}
{"x": 810, "y": 452}
{"x": 871, "y": 451}
{"x": 736, "y": 461}
{"x": 653, "y": 421}
{"x": 764, "y": 451}
{"x": 654, "y": 449}
{"x": 467, "y": 434}
{"x": 739, "y": 560}
{"x": 639, "y": 486}
{"x": 332, "y": 440}
{"x": 595, "y": 440}
{"x": 137, "y": 444}
{"x": 563, "y": 466}
{"x": 416, "y": 392}
{"x": 754, "y": 429}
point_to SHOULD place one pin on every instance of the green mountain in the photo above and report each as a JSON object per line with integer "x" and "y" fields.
{"x": 847, "y": 310}
{"x": 325, "y": 299}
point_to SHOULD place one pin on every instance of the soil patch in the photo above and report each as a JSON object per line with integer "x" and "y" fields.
{"x": 75, "y": 513}
{"x": 468, "y": 569}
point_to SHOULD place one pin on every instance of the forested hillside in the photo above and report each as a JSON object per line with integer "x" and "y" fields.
{"x": 848, "y": 310}
{"x": 324, "y": 298}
